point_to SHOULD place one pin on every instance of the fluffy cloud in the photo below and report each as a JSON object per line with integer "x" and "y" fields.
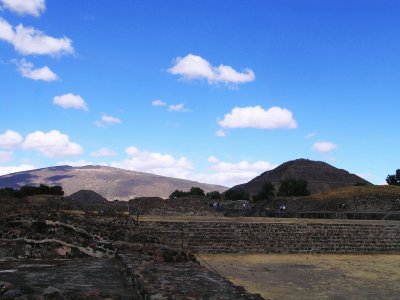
{"x": 10, "y": 139}
{"x": 30, "y": 41}
{"x": 14, "y": 169}
{"x": 178, "y": 108}
{"x": 78, "y": 163}
{"x": 192, "y": 67}
{"x": 103, "y": 152}
{"x": 229, "y": 174}
{"x": 6, "y": 156}
{"x": 25, "y": 7}
{"x": 107, "y": 120}
{"x": 158, "y": 102}
{"x": 220, "y": 133}
{"x": 323, "y": 147}
{"x": 257, "y": 117}
{"x": 51, "y": 144}
{"x": 156, "y": 163}
{"x": 26, "y": 69}
{"x": 70, "y": 101}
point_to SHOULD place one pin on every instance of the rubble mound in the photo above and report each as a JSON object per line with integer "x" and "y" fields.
{"x": 87, "y": 197}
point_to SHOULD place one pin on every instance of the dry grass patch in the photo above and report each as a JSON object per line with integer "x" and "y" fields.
{"x": 300, "y": 276}
{"x": 345, "y": 193}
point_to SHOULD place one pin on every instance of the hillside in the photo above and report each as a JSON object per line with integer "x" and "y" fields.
{"x": 111, "y": 183}
{"x": 321, "y": 177}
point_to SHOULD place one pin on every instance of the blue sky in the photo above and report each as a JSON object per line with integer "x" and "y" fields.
{"x": 213, "y": 91}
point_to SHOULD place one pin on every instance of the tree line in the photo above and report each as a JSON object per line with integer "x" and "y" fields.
{"x": 32, "y": 190}
{"x": 288, "y": 187}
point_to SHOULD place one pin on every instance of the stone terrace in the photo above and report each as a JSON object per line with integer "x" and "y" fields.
{"x": 257, "y": 235}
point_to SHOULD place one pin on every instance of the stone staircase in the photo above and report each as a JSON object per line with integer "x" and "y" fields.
{"x": 182, "y": 280}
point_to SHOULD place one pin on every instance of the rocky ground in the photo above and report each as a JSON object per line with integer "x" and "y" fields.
{"x": 48, "y": 253}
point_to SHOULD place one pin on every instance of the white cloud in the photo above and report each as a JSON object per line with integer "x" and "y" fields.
{"x": 107, "y": 120}
{"x": 310, "y": 135}
{"x": 51, "y": 144}
{"x": 10, "y": 139}
{"x": 178, "y": 108}
{"x": 6, "y": 156}
{"x": 229, "y": 174}
{"x": 156, "y": 163}
{"x": 257, "y": 117}
{"x": 220, "y": 133}
{"x": 323, "y": 147}
{"x": 26, "y": 69}
{"x": 70, "y": 101}
{"x": 78, "y": 163}
{"x": 30, "y": 41}
{"x": 13, "y": 169}
{"x": 192, "y": 67}
{"x": 25, "y": 7}
{"x": 103, "y": 152}
{"x": 158, "y": 102}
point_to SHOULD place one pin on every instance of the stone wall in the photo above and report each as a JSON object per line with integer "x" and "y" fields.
{"x": 223, "y": 237}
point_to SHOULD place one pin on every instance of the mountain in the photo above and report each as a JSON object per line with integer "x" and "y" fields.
{"x": 111, "y": 183}
{"x": 321, "y": 177}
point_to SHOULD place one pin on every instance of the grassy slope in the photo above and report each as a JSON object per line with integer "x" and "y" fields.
{"x": 386, "y": 191}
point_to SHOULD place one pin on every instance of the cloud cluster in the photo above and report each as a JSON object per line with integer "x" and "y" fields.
{"x": 14, "y": 169}
{"x": 30, "y": 41}
{"x": 257, "y": 117}
{"x": 103, "y": 152}
{"x": 27, "y": 70}
{"x": 10, "y": 139}
{"x": 229, "y": 174}
{"x": 25, "y": 7}
{"x": 106, "y": 120}
{"x": 323, "y": 147}
{"x": 77, "y": 163}
{"x": 51, "y": 144}
{"x": 154, "y": 162}
{"x": 70, "y": 101}
{"x": 194, "y": 67}
{"x": 180, "y": 107}
{"x": 220, "y": 133}
{"x": 158, "y": 102}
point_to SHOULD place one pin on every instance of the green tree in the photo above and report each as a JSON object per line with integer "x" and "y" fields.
{"x": 293, "y": 187}
{"x": 267, "y": 191}
{"x": 214, "y": 195}
{"x": 394, "y": 179}
{"x": 196, "y": 191}
{"x": 236, "y": 194}
{"x": 177, "y": 194}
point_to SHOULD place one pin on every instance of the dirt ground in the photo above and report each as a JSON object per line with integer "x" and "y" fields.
{"x": 301, "y": 276}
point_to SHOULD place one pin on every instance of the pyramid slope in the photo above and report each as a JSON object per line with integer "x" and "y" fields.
{"x": 321, "y": 177}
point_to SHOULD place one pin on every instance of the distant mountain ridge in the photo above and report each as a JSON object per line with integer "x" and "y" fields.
{"x": 321, "y": 177}
{"x": 111, "y": 183}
